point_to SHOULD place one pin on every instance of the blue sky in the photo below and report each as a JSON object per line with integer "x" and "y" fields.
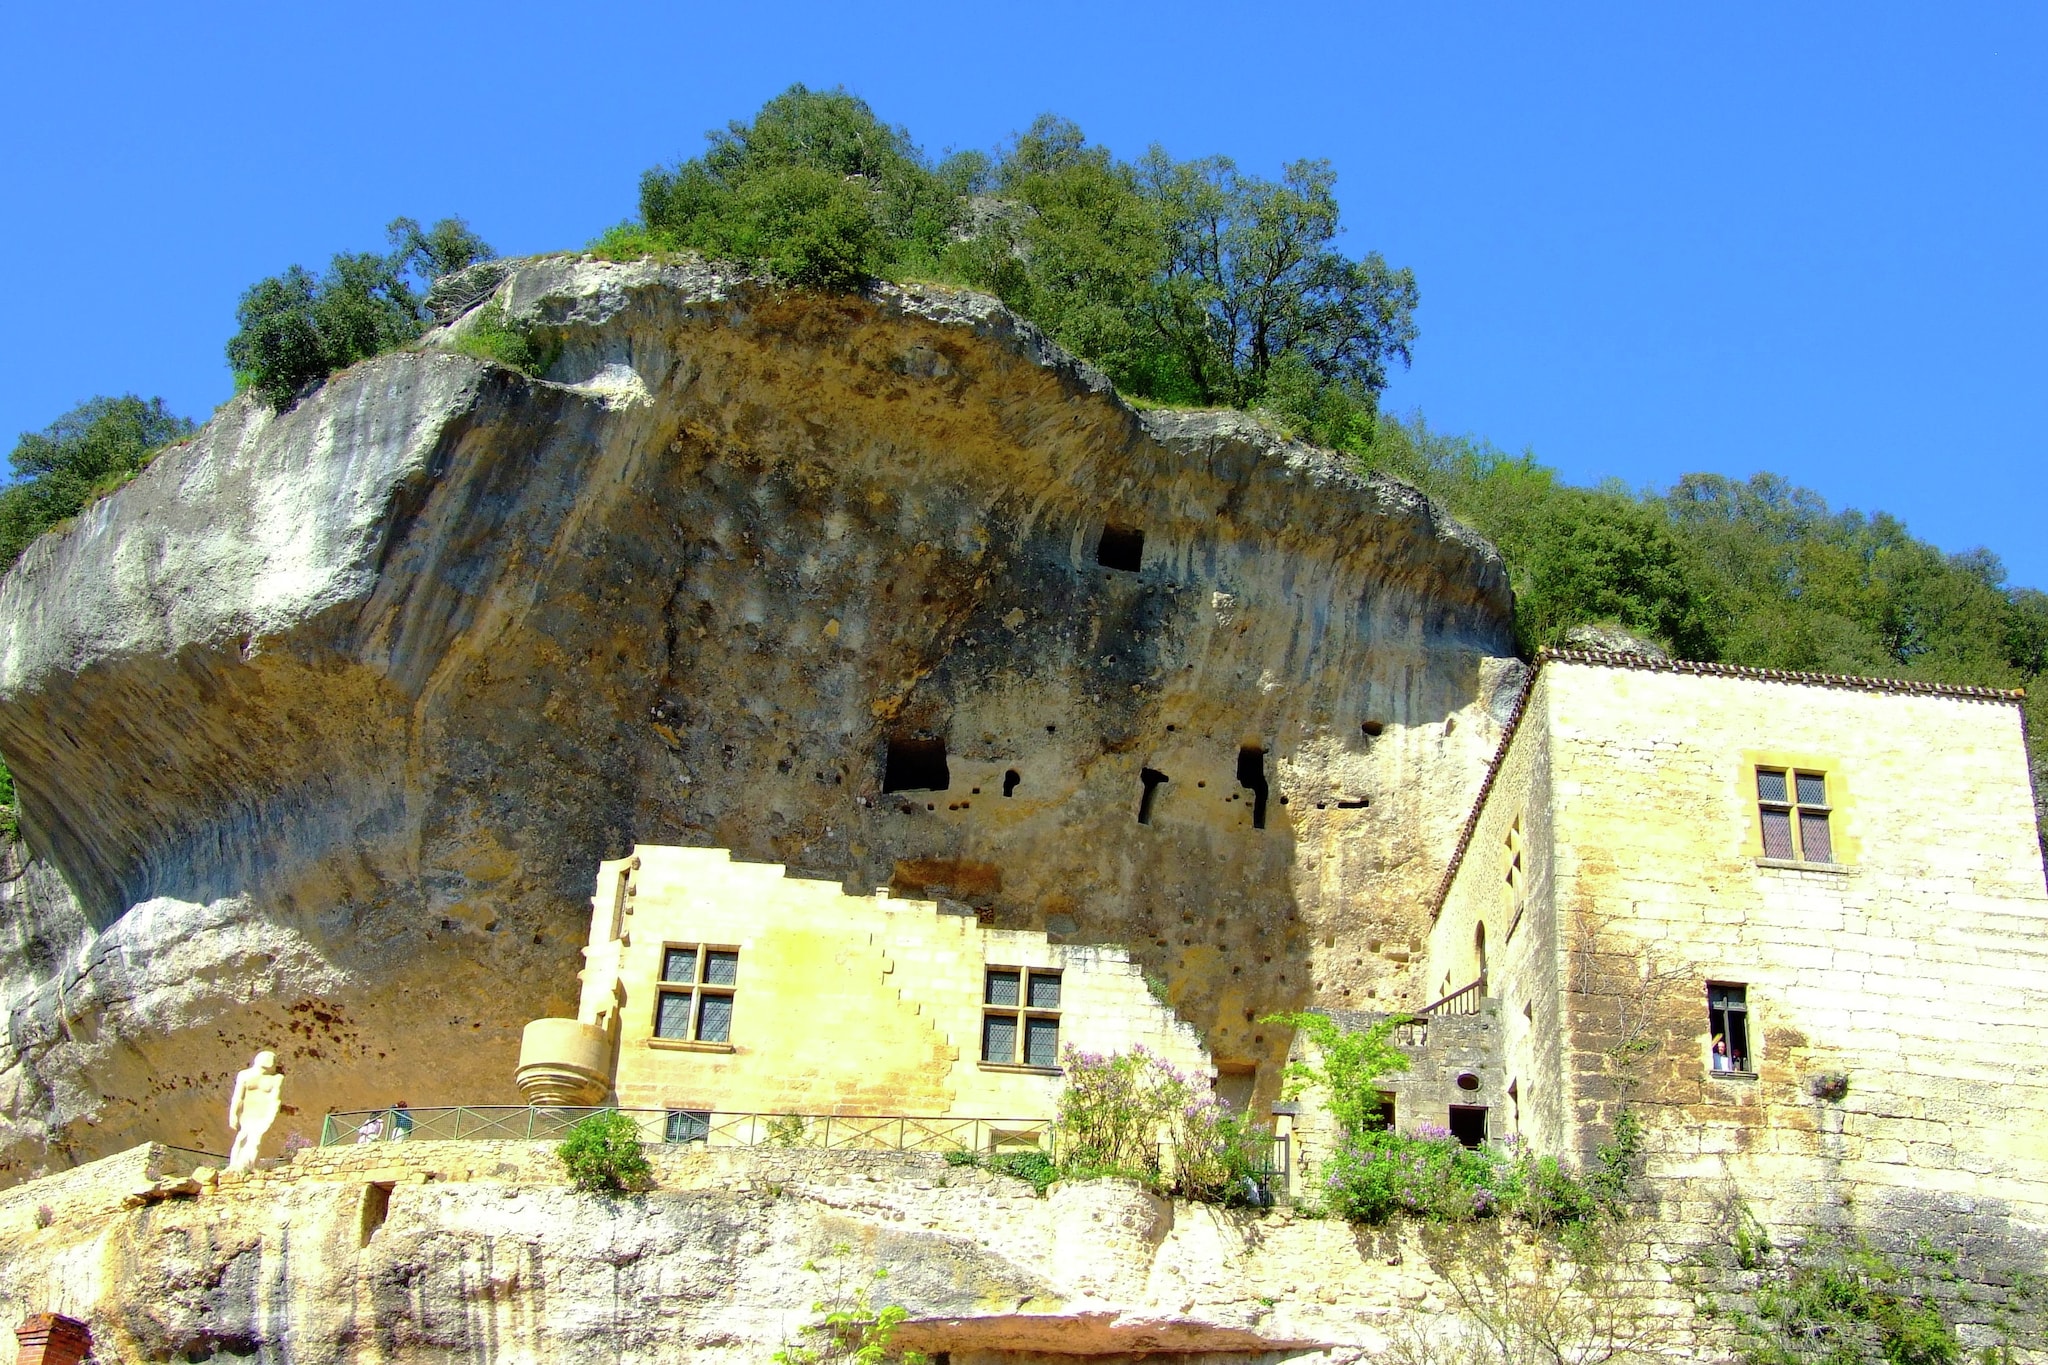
{"x": 1650, "y": 238}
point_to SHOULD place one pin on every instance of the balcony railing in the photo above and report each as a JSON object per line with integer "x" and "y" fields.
{"x": 818, "y": 1132}
{"x": 1464, "y": 1000}
{"x": 826, "y": 1132}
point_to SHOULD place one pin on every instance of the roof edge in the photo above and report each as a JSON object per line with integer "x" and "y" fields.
{"x": 1853, "y": 681}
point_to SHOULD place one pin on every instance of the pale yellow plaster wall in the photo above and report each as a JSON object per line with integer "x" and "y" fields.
{"x": 1920, "y": 971}
{"x": 844, "y": 1004}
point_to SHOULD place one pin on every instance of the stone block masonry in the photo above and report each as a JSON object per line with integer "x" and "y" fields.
{"x": 407, "y": 1253}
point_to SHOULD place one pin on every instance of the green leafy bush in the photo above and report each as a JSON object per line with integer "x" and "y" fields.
{"x": 1845, "y": 1302}
{"x": 295, "y": 329}
{"x": 850, "y": 1328}
{"x": 1429, "y": 1174}
{"x": 10, "y": 822}
{"x": 603, "y": 1156}
{"x": 87, "y": 452}
{"x": 1033, "y": 1166}
{"x": 487, "y": 335}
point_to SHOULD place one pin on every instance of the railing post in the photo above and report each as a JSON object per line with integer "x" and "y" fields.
{"x": 326, "y": 1127}
{"x": 529, "y": 1123}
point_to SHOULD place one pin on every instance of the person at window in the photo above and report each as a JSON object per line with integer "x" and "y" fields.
{"x": 1722, "y": 1062}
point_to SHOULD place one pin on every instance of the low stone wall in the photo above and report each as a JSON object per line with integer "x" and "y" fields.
{"x": 430, "y": 1251}
{"x": 405, "y": 1252}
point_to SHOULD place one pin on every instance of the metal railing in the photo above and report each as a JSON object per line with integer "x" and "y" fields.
{"x": 825, "y": 1132}
{"x": 1464, "y": 1000}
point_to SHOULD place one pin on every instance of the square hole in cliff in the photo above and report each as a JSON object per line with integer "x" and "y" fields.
{"x": 1121, "y": 547}
{"x": 915, "y": 765}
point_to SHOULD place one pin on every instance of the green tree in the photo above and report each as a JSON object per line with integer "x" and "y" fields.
{"x": 816, "y": 188}
{"x": 1594, "y": 556}
{"x": 1347, "y": 1067}
{"x": 1251, "y": 276}
{"x": 89, "y": 450}
{"x": 296, "y": 329}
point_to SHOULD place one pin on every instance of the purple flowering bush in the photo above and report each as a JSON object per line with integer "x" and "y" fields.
{"x": 1119, "y": 1109}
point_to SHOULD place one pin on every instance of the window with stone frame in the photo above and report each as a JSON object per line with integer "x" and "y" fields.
{"x": 698, "y": 982}
{"x": 1020, "y": 1017}
{"x": 1793, "y": 809}
{"x": 1728, "y": 1025}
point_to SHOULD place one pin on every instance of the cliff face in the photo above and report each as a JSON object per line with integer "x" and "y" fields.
{"x": 321, "y": 725}
{"x": 459, "y": 1251}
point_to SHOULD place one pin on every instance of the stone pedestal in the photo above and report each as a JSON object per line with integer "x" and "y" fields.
{"x": 52, "y": 1339}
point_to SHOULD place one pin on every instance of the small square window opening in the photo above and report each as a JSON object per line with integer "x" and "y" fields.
{"x": 1020, "y": 1021}
{"x": 688, "y": 1125}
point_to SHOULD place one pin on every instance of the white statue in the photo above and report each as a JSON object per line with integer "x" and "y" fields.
{"x": 253, "y": 1108}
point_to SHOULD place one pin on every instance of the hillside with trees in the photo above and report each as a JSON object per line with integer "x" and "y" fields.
{"x": 1188, "y": 283}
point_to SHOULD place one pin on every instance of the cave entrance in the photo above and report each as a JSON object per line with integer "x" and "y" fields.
{"x": 1121, "y": 548}
{"x": 916, "y": 765}
{"x": 1251, "y": 775}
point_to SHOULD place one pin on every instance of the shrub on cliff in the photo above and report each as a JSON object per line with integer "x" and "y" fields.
{"x": 296, "y": 329}
{"x": 90, "y": 450}
{"x": 816, "y": 188}
{"x": 603, "y": 1156}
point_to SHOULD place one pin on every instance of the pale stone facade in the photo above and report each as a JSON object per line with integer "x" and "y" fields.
{"x": 789, "y": 996}
{"x": 1895, "y": 986}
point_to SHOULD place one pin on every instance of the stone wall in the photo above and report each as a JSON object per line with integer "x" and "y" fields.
{"x": 844, "y": 1004}
{"x": 1896, "y": 997}
{"x": 419, "y": 1252}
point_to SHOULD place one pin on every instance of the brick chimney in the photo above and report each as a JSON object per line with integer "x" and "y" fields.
{"x": 52, "y": 1339}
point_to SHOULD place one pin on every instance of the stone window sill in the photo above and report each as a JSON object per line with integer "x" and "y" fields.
{"x": 1793, "y": 865}
{"x": 1021, "y": 1070}
{"x": 1731, "y": 1075}
{"x": 686, "y": 1045}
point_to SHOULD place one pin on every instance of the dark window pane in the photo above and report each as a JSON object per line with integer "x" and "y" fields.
{"x": 686, "y": 1126}
{"x": 1002, "y": 988}
{"x": 1777, "y": 834}
{"x": 1727, "y": 997}
{"x": 714, "y": 1019}
{"x": 1041, "y": 1042}
{"x": 1045, "y": 991}
{"x": 1814, "y": 842}
{"x": 1770, "y": 786}
{"x": 1738, "y": 1042}
{"x": 721, "y": 968}
{"x": 1813, "y": 789}
{"x": 672, "y": 1020}
{"x": 679, "y": 964}
{"x": 999, "y": 1038}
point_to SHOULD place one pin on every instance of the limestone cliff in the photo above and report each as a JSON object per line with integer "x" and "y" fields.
{"x": 321, "y": 725}
{"x": 475, "y": 1251}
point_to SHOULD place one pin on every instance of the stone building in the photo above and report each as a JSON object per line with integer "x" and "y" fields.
{"x": 1796, "y": 921}
{"x": 725, "y": 993}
